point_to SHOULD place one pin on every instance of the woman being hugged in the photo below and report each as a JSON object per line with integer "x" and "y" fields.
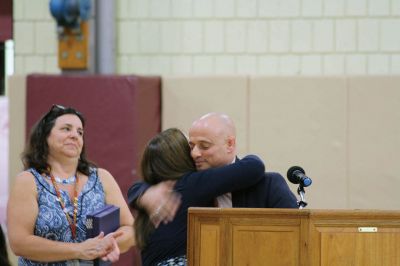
{"x": 48, "y": 205}
{"x": 167, "y": 157}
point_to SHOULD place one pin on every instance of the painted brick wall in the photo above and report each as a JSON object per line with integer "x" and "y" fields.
{"x": 268, "y": 37}
{"x": 35, "y": 37}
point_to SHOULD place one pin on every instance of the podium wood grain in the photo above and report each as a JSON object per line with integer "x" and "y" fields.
{"x": 292, "y": 237}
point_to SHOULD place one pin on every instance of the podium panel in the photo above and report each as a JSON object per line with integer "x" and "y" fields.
{"x": 364, "y": 238}
{"x": 245, "y": 237}
{"x": 235, "y": 236}
{"x": 210, "y": 238}
{"x": 358, "y": 249}
{"x": 261, "y": 245}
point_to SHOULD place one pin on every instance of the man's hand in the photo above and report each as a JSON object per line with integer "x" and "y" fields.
{"x": 160, "y": 202}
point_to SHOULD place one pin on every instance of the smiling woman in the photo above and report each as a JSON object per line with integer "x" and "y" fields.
{"x": 66, "y": 137}
{"x": 58, "y": 188}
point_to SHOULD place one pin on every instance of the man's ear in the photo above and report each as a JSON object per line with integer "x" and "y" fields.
{"x": 231, "y": 144}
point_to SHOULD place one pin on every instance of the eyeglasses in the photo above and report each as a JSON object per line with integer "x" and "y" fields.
{"x": 56, "y": 108}
{"x": 59, "y": 109}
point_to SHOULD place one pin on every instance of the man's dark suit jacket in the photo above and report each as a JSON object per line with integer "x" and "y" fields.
{"x": 271, "y": 192}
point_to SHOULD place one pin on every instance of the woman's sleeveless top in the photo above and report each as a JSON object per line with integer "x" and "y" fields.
{"x": 51, "y": 222}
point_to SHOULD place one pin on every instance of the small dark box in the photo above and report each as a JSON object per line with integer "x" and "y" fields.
{"x": 105, "y": 219}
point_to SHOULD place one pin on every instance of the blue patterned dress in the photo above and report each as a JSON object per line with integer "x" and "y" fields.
{"x": 51, "y": 222}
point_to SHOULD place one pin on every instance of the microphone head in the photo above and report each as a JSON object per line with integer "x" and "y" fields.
{"x": 291, "y": 174}
{"x": 307, "y": 182}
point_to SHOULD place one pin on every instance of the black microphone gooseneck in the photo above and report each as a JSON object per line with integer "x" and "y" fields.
{"x": 297, "y": 175}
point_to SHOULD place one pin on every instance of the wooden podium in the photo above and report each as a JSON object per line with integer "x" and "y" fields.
{"x": 276, "y": 237}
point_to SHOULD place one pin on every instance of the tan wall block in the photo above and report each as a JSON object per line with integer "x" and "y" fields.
{"x": 46, "y": 39}
{"x": 17, "y": 117}
{"x": 36, "y": 10}
{"x": 17, "y": 105}
{"x": 24, "y": 37}
{"x": 185, "y": 99}
{"x": 302, "y": 121}
{"x": 374, "y": 142}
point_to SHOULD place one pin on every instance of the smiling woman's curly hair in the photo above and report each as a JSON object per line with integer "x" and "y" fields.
{"x": 37, "y": 149}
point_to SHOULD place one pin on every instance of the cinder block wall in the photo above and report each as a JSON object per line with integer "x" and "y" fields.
{"x": 35, "y": 37}
{"x": 268, "y": 37}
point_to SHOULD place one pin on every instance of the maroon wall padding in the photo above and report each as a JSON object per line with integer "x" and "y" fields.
{"x": 6, "y": 20}
{"x": 122, "y": 113}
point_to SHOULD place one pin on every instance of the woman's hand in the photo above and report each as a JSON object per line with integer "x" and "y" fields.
{"x": 113, "y": 254}
{"x": 100, "y": 247}
{"x": 161, "y": 202}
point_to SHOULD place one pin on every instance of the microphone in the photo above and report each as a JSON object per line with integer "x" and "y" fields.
{"x": 296, "y": 175}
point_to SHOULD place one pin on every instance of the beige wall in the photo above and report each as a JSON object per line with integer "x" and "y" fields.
{"x": 302, "y": 121}
{"x": 186, "y": 98}
{"x": 374, "y": 142}
{"x": 17, "y": 120}
{"x": 344, "y": 132}
{"x": 259, "y": 37}
{"x": 17, "y": 111}
{"x": 269, "y": 37}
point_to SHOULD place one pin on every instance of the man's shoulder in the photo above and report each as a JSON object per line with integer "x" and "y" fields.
{"x": 273, "y": 174}
{"x": 270, "y": 180}
{"x": 273, "y": 177}
{"x": 271, "y": 192}
{"x": 273, "y": 181}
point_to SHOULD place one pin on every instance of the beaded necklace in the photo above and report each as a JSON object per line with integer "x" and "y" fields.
{"x": 67, "y": 181}
{"x": 72, "y": 223}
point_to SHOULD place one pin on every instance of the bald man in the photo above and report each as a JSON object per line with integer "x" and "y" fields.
{"x": 212, "y": 139}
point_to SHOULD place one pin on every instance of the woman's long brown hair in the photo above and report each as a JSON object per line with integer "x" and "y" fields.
{"x": 166, "y": 157}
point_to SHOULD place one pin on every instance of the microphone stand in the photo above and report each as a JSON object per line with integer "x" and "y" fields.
{"x": 300, "y": 190}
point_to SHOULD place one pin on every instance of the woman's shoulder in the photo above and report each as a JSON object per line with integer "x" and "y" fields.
{"x": 102, "y": 171}
{"x": 105, "y": 177}
{"x": 24, "y": 180}
{"x": 25, "y": 177}
{"x": 103, "y": 174}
